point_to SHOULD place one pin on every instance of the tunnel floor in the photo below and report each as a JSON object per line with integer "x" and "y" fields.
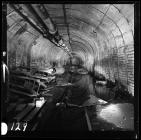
{"x": 115, "y": 115}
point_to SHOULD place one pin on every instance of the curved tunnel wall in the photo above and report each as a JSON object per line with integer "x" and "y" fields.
{"x": 101, "y": 34}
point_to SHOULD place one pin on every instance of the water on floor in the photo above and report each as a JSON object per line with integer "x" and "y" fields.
{"x": 115, "y": 115}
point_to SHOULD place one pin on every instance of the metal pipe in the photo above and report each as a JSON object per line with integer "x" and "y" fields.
{"x": 45, "y": 15}
{"x": 48, "y": 22}
{"x": 37, "y": 17}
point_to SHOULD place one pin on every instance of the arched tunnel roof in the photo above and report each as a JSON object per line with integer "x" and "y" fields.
{"x": 100, "y": 34}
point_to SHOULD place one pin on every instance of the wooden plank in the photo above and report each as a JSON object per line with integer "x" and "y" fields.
{"x": 31, "y": 77}
{"x": 41, "y": 112}
{"x": 32, "y": 114}
{"x": 88, "y": 120}
{"x": 22, "y": 114}
{"x": 41, "y": 83}
{"x": 24, "y": 77}
{"x": 34, "y": 79}
{"x": 38, "y": 77}
{"x": 22, "y": 93}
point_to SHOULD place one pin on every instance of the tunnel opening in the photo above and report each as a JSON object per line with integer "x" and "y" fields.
{"x": 63, "y": 64}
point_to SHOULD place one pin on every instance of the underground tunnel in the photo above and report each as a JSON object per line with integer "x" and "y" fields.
{"x": 70, "y": 67}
